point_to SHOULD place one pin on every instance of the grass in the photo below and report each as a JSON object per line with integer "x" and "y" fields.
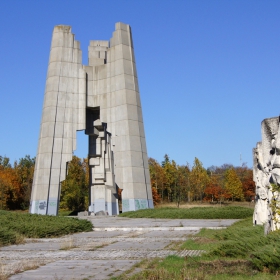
{"x": 229, "y": 212}
{"x": 239, "y": 252}
{"x": 15, "y": 226}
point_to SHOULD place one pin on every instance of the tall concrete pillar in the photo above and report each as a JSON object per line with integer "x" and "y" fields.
{"x": 103, "y": 99}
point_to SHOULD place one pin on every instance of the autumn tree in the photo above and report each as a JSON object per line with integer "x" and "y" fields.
{"x": 245, "y": 175}
{"x": 214, "y": 191}
{"x": 9, "y": 185}
{"x": 249, "y": 187}
{"x": 170, "y": 176}
{"x": 233, "y": 185}
{"x": 157, "y": 176}
{"x": 198, "y": 179}
{"x": 181, "y": 187}
{"x": 156, "y": 196}
{"x": 25, "y": 172}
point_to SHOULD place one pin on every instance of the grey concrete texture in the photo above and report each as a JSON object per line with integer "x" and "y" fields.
{"x": 99, "y": 254}
{"x": 118, "y": 223}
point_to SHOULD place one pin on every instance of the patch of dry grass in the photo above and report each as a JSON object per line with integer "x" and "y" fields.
{"x": 68, "y": 244}
{"x": 8, "y": 269}
{"x": 205, "y": 204}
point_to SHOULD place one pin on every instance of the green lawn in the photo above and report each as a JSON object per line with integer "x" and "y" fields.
{"x": 15, "y": 226}
{"x": 229, "y": 212}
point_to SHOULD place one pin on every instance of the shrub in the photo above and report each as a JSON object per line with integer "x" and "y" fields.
{"x": 14, "y": 224}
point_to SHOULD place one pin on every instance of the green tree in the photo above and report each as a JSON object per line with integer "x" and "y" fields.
{"x": 181, "y": 187}
{"x": 4, "y": 162}
{"x": 170, "y": 177}
{"x": 233, "y": 185}
{"x": 74, "y": 190}
{"x": 25, "y": 171}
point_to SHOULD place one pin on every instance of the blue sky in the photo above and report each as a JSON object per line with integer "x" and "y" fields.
{"x": 209, "y": 71}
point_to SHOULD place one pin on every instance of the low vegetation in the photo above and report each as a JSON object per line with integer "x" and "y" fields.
{"x": 15, "y": 226}
{"x": 238, "y": 252}
{"x": 229, "y": 212}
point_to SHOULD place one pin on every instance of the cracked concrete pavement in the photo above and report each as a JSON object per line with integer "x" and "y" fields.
{"x": 115, "y": 245}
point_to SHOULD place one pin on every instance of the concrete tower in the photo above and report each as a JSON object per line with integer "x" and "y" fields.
{"x": 102, "y": 99}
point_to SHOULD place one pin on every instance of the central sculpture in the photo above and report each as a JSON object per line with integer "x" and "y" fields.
{"x": 103, "y": 99}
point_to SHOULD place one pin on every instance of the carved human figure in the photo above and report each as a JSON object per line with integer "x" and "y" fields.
{"x": 273, "y": 167}
{"x": 261, "y": 181}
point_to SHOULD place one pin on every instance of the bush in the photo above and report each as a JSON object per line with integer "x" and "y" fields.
{"x": 243, "y": 240}
{"x": 13, "y": 224}
{"x": 7, "y": 236}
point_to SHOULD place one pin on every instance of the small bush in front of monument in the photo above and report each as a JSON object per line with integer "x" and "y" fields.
{"x": 230, "y": 212}
{"x": 15, "y": 226}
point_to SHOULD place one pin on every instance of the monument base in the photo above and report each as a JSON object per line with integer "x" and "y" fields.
{"x": 136, "y": 204}
{"x": 44, "y": 207}
{"x": 103, "y": 199}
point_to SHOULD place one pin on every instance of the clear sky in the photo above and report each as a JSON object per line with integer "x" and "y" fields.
{"x": 209, "y": 71}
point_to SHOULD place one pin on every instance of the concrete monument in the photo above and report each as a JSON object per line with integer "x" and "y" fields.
{"x": 103, "y": 99}
{"x": 266, "y": 174}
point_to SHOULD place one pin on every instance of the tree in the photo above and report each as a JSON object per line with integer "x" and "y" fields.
{"x": 4, "y": 162}
{"x": 170, "y": 177}
{"x": 198, "y": 179}
{"x": 249, "y": 187}
{"x": 246, "y": 177}
{"x": 9, "y": 189}
{"x": 157, "y": 176}
{"x": 182, "y": 183}
{"x": 215, "y": 191}
{"x": 156, "y": 196}
{"x": 25, "y": 171}
{"x": 233, "y": 185}
{"x": 165, "y": 161}
{"x": 74, "y": 189}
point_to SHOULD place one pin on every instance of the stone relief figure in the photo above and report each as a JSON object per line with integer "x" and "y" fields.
{"x": 273, "y": 192}
{"x": 261, "y": 181}
{"x": 267, "y": 176}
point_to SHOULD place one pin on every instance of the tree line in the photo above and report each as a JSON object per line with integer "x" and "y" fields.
{"x": 178, "y": 183}
{"x": 170, "y": 183}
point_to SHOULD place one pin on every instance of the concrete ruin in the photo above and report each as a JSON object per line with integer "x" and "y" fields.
{"x": 266, "y": 174}
{"x": 101, "y": 98}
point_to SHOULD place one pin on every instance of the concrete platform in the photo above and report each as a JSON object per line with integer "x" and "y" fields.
{"x": 105, "y": 252}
